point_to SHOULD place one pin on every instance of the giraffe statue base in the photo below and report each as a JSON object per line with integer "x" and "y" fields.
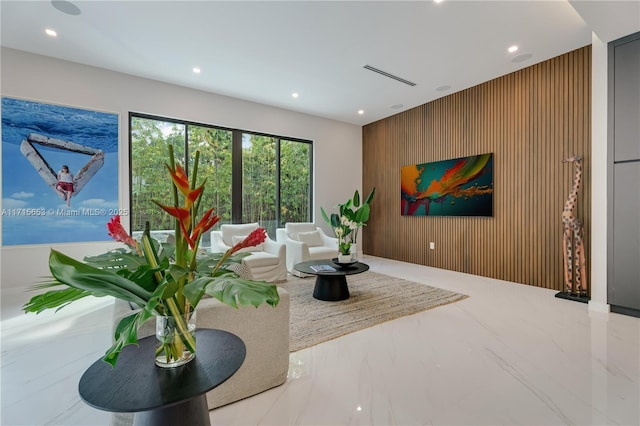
{"x": 568, "y": 296}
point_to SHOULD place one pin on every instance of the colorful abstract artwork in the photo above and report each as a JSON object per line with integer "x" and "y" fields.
{"x": 457, "y": 187}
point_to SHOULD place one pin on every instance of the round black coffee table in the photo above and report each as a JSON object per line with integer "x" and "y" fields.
{"x": 163, "y": 396}
{"x": 331, "y": 286}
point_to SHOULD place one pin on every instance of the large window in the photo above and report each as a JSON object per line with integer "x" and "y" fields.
{"x": 250, "y": 177}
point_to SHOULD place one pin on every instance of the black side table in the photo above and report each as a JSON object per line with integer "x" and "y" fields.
{"x": 331, "y": 286}
{"x": 164, "y": 396}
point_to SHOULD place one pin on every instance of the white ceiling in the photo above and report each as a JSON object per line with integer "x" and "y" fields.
{"x": 263, "y": 51}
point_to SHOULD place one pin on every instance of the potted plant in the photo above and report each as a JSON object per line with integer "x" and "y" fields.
{"x": 347, "y": 222}
{"x": 164, "y": 280}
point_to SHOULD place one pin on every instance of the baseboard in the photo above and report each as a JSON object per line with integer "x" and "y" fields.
{"x": 625, "y": 311}
{"x": 599, "y": 307}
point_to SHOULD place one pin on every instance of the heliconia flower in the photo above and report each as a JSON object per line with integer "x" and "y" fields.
{"x": 118, "y": 233}
{"x": 180, "y": 213}
{"x": 207, "y": 222}
{"x": 257, "y": 236}
{"x": 181, "y": 180}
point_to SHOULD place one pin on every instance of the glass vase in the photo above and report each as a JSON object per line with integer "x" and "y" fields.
{"x": 176, "y": 339}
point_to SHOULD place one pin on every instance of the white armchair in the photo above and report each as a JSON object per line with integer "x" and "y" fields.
{"x": 267, "y": 261}
{"x": 305, "y": 241}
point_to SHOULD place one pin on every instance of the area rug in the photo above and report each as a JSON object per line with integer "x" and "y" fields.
{"x": 375, "y": 298}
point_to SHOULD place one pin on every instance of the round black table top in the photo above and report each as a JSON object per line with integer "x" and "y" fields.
{"x": 137, "y": 384}
{"x": 355, "y": 268}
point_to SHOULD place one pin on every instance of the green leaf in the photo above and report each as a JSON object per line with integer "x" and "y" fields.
{"x": 335, "y": 220}
{"x": 370, "y": 196}
{"x": 54, "y": 299}
{"x": 362, "y": 214}
{"x": 325, "y": 216}
{"x": 116, "y": 259}
{"x": 232, "y": 291}
{"x": 127, "y": 330}
{"x": 356, "y": 199}
{"x": 98, "y": 282}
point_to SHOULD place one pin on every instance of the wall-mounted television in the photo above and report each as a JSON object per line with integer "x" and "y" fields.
{"x": 456, "y": 187}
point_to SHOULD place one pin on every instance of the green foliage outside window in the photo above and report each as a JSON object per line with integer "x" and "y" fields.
{"x": 260, "y": 185}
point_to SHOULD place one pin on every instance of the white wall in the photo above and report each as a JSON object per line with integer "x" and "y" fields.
{"x": 599, "y": 93}
{"x": 337, "y": 145}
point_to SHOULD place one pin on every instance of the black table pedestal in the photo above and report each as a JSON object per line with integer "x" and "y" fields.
{"x": 331, "y": 288}
{"x": 193, "y": 412}
{"x": 331, "y": 283}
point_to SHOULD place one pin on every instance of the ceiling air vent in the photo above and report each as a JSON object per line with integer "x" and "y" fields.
{"x": 386, "y": 74}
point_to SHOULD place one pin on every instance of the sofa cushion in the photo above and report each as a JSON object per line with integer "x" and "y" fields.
{"x": 322, "y": 252}
{"x": 312, "y": 239}
{"x": 293, "y": 229}
{"x": 229, "y": 230}
{"x": 261, "y": 258}
{"x": 238, "y": 238}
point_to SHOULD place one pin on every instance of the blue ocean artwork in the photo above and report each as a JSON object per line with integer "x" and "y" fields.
{"x": 33, "y": 211}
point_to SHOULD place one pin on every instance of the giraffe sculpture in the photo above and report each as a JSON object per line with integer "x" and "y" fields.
{"x": 575, "y": 274}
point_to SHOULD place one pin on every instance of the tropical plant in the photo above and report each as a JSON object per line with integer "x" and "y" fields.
{"x": 167, "y": 279}
{"x": 350, "y": 218}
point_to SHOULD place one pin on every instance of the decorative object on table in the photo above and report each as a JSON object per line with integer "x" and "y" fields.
{"x": 347, "y": 222}
{"x": 457, "y": 187}
{"x": 346, "y": 264}
{"x": 323, "y": 268}
{"x": 166, "y": 279}
{"x": 575, "y": 272}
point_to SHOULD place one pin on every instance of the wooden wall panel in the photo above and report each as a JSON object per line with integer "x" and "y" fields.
{"x": 530, "y": 120}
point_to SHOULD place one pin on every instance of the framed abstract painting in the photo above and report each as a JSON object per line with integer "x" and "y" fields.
{"x": 456, "y": 187}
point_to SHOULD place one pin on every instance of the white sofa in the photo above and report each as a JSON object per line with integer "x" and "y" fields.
{"x": 267, "y": 261}
{"x": 305, "y": 241}
{"x": 264, "y": 331}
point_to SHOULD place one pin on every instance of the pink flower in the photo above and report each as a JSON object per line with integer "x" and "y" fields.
{"x": 117, "y": 232}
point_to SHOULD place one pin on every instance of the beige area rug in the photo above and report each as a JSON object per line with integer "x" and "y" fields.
{"x": 375, "y": 298}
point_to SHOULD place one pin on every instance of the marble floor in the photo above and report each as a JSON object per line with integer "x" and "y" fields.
{"x": 509, "y": 354}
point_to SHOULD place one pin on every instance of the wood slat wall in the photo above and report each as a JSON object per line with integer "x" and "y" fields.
{"x": 530, "y": 120}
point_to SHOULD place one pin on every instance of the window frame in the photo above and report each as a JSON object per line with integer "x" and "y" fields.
{"x": 236, "y": 168}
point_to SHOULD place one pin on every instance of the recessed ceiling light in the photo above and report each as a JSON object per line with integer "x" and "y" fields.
{"x": 396, "y": 106}
{"x": 360, "y": 111}
{"x": 51, "y": 33}
{"x": 196, "y": 70}
{"x": 295, "y": 95}
{"x": 443, "y": 88}
{"x": 66, "y": 7}
{"x": 438, "y": 1}
{"x": 512, "y": 49}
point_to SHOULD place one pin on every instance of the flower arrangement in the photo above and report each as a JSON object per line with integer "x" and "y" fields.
{"x": 344, "y": 232}
{"x": 167, "y": 279}
{"x": 350, "y": 218}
